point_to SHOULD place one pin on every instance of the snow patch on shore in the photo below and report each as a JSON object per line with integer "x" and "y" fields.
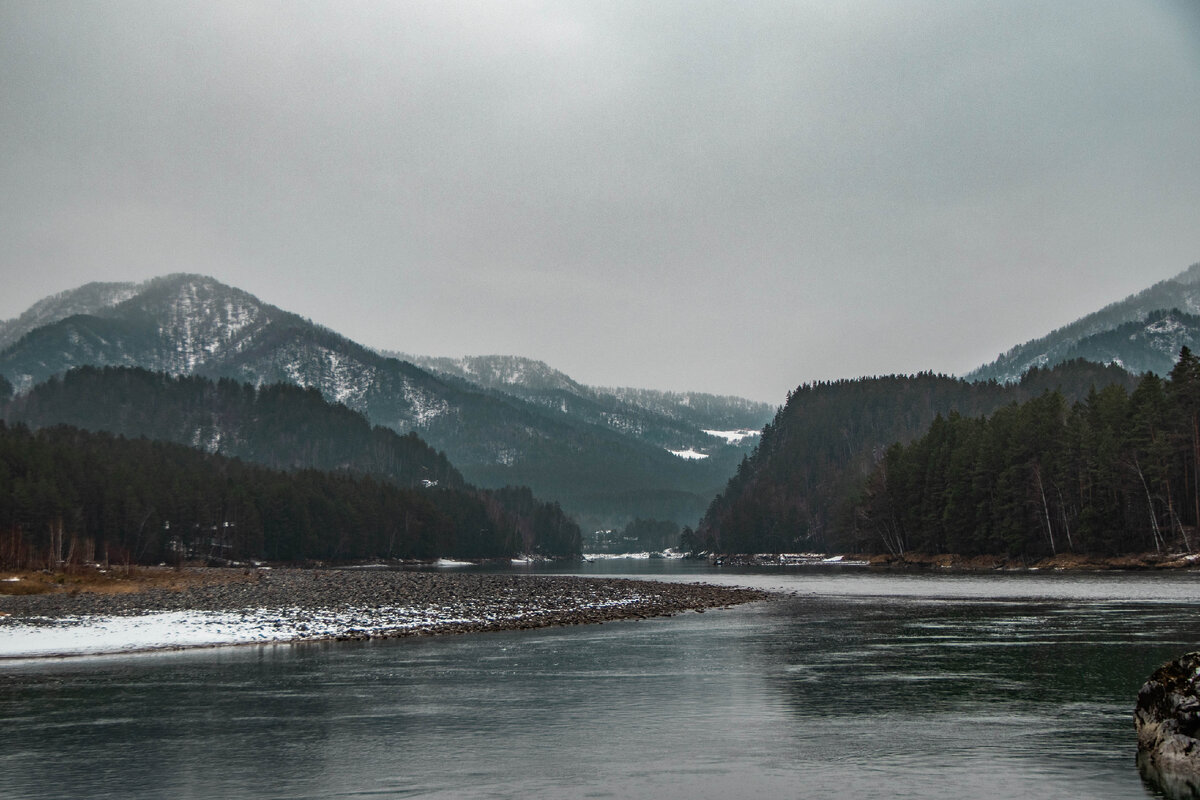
{"x": 645, "y": 554}
{"x": 168, "y": 630}
{"x": 94, "y": 635}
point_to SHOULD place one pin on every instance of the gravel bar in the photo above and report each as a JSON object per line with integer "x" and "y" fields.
{"x": 346, "y": 604}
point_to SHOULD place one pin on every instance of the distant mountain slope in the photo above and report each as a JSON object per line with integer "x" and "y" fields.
{"x": 567, "y": 447}
{"x": 526, "y": 377}
{"x": 1149, "y": 345}
{"x": 87, "y": 299}
{"x": 707, "y": 411}
{"x": 670, "y": 420}
{"x": 176, "y": 324}
{"x": 505, "y": 373}
{"x": 1136, "y": 352}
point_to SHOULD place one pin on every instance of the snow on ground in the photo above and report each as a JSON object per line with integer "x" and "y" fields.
{"x": 689, "y": 454}
{"x": 733, "y": 437}
{"x": 614, "y": 556}
{"x": 168, "y": 630}
{"x": 92, "y": 635}
{"x": 645, "y": 554}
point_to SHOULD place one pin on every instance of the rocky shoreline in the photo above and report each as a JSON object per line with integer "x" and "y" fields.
{"x": 1167, "y": 719}
{"x": 344, "y": 604}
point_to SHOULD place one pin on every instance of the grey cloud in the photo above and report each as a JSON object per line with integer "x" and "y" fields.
{"x": 726, "y": 197}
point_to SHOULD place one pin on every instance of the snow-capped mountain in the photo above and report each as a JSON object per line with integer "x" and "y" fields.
{"x": 1151, "y": 323}
{"x": 603, "y": 459}
{"x": 191, "y": 324}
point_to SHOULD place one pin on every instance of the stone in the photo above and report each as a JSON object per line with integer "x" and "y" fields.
{"x": 1167, "y": 718}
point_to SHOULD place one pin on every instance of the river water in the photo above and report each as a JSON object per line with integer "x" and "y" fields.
{"x": 856, "y": 684}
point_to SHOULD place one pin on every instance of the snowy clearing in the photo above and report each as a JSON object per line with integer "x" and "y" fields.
{"x": 733, "y": 437}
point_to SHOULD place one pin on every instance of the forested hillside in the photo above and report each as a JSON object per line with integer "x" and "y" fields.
{"x": 605, "y": 460}
{"x": 1146, "y": 345}
{"x": 668, "y": 419}
{"x": 1117, "y": 472}
{"x": 77, "y": 495}
{"x": 278, "y": 425}
{"x": 798, "y": 489}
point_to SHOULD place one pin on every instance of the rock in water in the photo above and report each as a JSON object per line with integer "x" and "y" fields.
{"x": 1167, "y": 718}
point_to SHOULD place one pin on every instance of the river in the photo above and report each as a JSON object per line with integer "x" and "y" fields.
{"x": 856, "y": 684}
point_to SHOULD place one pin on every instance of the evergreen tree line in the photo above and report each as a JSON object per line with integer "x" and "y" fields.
{"x": 799, "y": 488}
{"x": 288, "y": 427}
{"x": 68, "y": 495}
{"x": 278, "y": 425}
{"x": 1117, "y": 472}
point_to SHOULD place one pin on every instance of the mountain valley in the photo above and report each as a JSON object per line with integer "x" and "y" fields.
{"x": 606, "y": 455}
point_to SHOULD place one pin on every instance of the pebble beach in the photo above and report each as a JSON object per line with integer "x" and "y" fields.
{"x": 285, "y": 605}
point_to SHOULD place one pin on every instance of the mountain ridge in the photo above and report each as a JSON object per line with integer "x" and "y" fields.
{"x": 665, "y": 419}
{"x": 1181, "y": 293}
{"x": 85, "y": 299}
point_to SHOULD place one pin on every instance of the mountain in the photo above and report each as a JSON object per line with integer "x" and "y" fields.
{"x": 1148, "y": 345}
{"x": 1152, "y": 324}
{"x": 676, "y": 421}
{"x": 512, "y": 374}
{"x": 597, "y": 457}
{"x": 87, "y": 299}
{"x": 797, "y": 490}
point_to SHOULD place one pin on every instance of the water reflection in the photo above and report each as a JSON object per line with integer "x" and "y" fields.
{"x": 1171, "y": 785}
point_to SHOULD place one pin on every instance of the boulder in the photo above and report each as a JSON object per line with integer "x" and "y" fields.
{"x": 1167, "y": 718}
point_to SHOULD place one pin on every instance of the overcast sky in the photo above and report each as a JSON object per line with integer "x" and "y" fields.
{"x": 732, "y": 197}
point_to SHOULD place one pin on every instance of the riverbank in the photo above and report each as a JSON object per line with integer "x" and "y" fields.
{"x": 1060, "y": 562}
{"x": 954, "y": 562}
{"x": 285, "y": 605}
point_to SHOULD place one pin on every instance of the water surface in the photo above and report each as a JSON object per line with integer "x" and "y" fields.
{"x": 857, "y": 684}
